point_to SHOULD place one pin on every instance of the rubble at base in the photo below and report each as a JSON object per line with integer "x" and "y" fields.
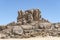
{"x": 29, "y": 24}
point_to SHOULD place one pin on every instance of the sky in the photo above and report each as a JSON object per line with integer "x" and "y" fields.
{"x": 50, "y": 9}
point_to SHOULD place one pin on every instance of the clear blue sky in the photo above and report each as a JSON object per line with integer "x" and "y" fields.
{"x": 50, "y": 9}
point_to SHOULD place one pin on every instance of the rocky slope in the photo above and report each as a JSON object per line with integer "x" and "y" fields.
{"x": 29, "y": 24}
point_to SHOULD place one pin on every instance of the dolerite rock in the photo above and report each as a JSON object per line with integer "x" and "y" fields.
{"x": 27, "y": 27}
{"x": 3, "y": 36}
{"x": 19, "y": 18}
{"x": 29, "y": 24}
{"x": 29, "y": 15}
{"x": 11, "y": 24}
{"x": 17, "y": 30}
{"x": 30, "y": 18}
{"x": 3, "y": 27}
{"x": 24, "y": 21}
{"x": 45, "y": 25}
{"x": 6, "y": 31}
{"x": 36, "y": 14}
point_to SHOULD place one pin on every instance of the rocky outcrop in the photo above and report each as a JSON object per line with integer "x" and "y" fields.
{"x": 29, "y": 24}
{"x": 28, "y": 16}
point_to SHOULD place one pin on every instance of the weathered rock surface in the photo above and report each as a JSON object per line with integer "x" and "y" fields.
{"x": 29, "y": 24}
{"x": 17, "y": 30}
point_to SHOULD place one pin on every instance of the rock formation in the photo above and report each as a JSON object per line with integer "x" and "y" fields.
{"x": 29, "y": 24}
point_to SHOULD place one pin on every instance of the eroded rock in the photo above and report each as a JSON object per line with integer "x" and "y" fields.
{"x": 29, "y": 24}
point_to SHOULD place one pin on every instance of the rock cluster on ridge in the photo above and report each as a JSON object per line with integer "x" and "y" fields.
{"x": 29, "y": 24}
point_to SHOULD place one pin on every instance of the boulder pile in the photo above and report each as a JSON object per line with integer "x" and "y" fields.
{"x": 29, "y": 24}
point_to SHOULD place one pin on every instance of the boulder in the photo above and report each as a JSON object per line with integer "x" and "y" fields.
{"x": 45, "y": 25}
{"x": 27, "y": 27}
{"x": 24, "y": 21}
{"x": 19, "y": 18}
{"x": 2, "y": 36}
{"x": 17, "y": 30}
{"x": 30, "y": 18}
{"x": 36, "y": 14}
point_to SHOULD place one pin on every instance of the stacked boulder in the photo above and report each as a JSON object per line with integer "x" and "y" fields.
{"x": 28, "y": 16}
{"x": 29, "y": 24}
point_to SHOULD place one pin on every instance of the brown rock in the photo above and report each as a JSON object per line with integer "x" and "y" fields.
{"x": 19, "y": 18}
{"x": 36, "y": 14}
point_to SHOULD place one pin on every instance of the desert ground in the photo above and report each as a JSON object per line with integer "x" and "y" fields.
{"x": 37, "y": 38}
